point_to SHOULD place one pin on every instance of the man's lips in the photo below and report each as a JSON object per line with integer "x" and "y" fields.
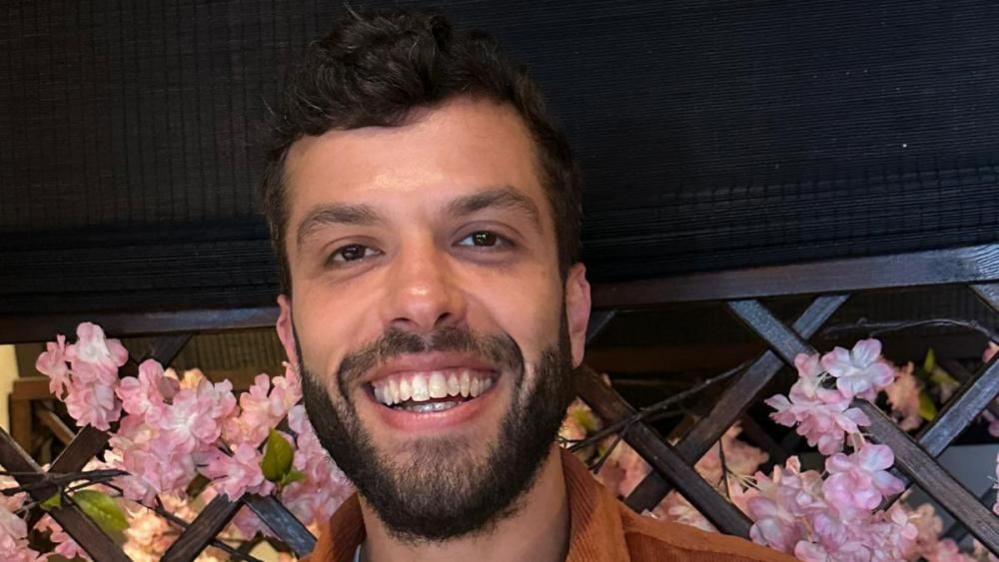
{"x": 431, "y": 391}
{"x": 431, "y": 415}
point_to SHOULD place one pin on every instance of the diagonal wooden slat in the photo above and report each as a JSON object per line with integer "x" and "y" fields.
{"x": 191, "y": 541}
{"x": 83, "y": 530}
{"x": 734, "y": 401}
{"x": 284, "y": 524}
{"x": 209, "y": 523}
{"x": 966, "y": 405}
{"x": 782, "y": 339}
{"x": 932, "y": 477}
{"x": 960, "y": 411}
{"x": 957, "y": 531}
{"x": 647, "y": 442}
{"x": 958, "y": 371}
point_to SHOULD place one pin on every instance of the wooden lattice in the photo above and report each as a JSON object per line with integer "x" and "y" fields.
{"x": 976, "y": 267}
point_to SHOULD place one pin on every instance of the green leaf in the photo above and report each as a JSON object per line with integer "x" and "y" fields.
{"x": 585, "y": 419}
{"x": 277, "y": 458}
{"x": 930, "y": 362}
{"x": 927, "y": 409}
{"x": 102, "y": 509}
{"x": 292, "y": 476}
{"x": 54, "y": 502}
{"x": 943, "y": 378}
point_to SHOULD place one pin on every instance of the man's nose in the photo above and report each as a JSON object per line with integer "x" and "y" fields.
{"x": 423, "y": 295}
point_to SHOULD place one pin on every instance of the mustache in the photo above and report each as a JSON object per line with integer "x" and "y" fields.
{"x": 500, "y": 350}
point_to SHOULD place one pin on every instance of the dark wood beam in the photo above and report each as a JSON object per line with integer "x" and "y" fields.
{"x": 975, "y": 264}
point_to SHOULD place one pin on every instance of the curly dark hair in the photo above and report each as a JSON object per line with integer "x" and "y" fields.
{"x": 375, "y": 68}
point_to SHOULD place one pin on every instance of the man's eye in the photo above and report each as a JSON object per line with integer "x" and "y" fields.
{"x": 350, "y": 253}
{"x": 482, "y": 238}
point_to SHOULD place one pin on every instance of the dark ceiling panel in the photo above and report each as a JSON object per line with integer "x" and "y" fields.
{"x": 712, "y": 134}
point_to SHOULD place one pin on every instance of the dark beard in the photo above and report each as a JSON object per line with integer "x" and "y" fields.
{"x": 445, "y": 491}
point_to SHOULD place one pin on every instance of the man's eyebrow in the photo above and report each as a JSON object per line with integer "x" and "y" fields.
{"x": 502, "y": 197}
{"x": 339, "y": 213}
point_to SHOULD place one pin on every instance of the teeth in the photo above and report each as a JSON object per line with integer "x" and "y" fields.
{"x": 426, "y": 407}
{"x": 421, "y": 392}
{"x": 425, "y": 386}
{"x": 465, "y": 384}
{"x": 393, "y": 392}
{"x": 437, "y": 385}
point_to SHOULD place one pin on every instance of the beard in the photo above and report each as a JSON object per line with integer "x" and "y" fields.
{"x": 446, "y": 488}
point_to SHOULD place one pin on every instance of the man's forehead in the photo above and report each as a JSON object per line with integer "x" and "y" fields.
{"x": 458, "y": 150}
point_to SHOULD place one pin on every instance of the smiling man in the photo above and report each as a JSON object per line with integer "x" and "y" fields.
{"x": 426, "y": 215}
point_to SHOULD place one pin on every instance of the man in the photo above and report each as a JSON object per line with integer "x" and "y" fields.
{"x": 426, "y": 214}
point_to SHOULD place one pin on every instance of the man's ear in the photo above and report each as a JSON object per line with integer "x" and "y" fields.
{"x": 286, "y": 330}
{"x": 577, "y": 310}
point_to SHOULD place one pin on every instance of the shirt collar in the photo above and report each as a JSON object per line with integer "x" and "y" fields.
{"x": 596, "y": 530}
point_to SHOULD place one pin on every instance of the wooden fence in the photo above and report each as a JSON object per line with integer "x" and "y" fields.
{"x": 830, "y": 283}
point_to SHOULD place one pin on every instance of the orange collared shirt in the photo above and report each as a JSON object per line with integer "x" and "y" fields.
{"x": 602, "y": 530}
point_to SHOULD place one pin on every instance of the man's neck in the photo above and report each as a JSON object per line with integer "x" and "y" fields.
{"x": 538, "y": 530}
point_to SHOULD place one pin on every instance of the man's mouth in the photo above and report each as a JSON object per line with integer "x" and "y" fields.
{"x": 431, "y": 391}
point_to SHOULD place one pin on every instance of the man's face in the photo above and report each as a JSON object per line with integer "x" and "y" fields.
{"x": 433, "y": 330}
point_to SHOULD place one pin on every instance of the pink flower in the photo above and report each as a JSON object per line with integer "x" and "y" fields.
{"x": 65, "y": 545}
{"x": 13, "y": 502}
{"x": 194, "y": 418}
{"x": 740, "y": 458}
{"x": 52, "y": 363}
{"x": 846, "y": 552}
{"x": 993, "y": 423}
{"x": 822, "y": 415}
{"x": 946, "y": 551}
{"x": 148, "y": 390}
{"x": 995, "y": 508}
{"x": 890, "y": 535}
{"x": 861, "y": 371}
{"x": 780, "y": 507}
{"x": 153, "y": 469}
{"x": 773, "y": 526}
{"x": 903, "y": 395}
{"x": 148, "y": 536}
{"x": 623, "y": 470}
{"x": 14, "y": 539}
{"x": 263, "y": 407}
{"x": 857, "y": 483}
{"x": 91, "y": 401}
{"x": 990, "y": 352}
{"x": 808, "y": 366}
{"x": 237, "y": 474}
{"x": 928, "y": 526}
{"x": 676, "y": 508}
{"x": 93, "y": 348}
